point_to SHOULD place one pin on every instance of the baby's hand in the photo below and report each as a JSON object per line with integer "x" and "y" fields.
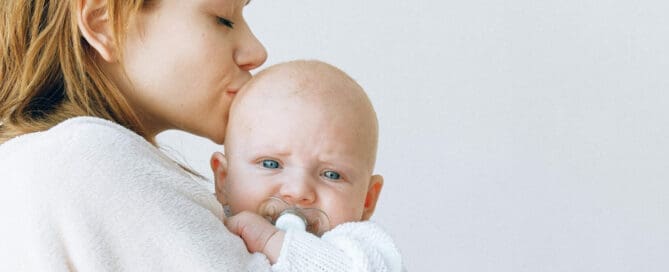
{"x": 258, "y": 234}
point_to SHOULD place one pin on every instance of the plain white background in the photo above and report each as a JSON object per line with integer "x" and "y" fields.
{"x": 516, "y": 135}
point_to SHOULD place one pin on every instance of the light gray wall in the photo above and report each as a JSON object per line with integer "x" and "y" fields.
{"x": 520, "y": 135}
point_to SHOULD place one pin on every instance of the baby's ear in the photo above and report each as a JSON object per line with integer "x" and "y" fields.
{"x": 373, "y": 192}
{"x": 219, "y": 165}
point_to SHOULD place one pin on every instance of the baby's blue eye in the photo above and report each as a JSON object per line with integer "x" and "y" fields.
{"x": 331, "y": 175}
{"x": 272, "y": 164}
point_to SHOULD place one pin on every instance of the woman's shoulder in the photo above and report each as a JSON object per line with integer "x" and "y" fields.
{"x": 88, "y": 154}
{"x": 82, "y": 140}
{"x": 82, "y": 144}
{"x": 92, "y": 125}
{"x": 75, "y": 134}
{"x": 87, "y": 130}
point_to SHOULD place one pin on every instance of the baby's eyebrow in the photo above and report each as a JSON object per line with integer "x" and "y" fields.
{"x": 271, "y": 150}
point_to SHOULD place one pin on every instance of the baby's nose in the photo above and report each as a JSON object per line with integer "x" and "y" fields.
{"x": 299, "y": 191}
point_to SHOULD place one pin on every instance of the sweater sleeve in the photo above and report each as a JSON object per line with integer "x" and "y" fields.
{"x": 355, "y": 246}
{"x": 89, "y": 195}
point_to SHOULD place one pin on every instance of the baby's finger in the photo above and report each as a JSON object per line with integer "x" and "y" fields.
{"x": 253, "y": 229}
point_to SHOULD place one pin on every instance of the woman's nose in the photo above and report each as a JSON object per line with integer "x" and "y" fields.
{"x": 298, "y": 191}
{"x": 251, "y": 53}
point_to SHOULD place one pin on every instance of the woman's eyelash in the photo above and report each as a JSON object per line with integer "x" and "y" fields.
{"x": 226, "y": 22}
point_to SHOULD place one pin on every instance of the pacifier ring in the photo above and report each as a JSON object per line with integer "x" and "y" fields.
{"x": 314, "y": 220}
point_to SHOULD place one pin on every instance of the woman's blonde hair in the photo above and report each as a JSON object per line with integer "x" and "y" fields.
{"x": 48, "y": 71}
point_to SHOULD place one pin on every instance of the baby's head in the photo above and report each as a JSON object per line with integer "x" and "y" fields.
{"x": 304, "y": 132}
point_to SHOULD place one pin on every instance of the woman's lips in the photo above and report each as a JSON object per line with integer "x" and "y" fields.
{"x": 232, "y": 92}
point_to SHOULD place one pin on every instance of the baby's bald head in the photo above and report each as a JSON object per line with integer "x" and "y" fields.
{"x": 307, "y": 79}
{"x": 321, "y": 93}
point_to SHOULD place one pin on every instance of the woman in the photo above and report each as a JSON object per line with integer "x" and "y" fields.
{"x": 85, "y": 85}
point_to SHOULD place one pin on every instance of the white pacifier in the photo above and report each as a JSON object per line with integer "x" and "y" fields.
{"x": 290, "y": 217}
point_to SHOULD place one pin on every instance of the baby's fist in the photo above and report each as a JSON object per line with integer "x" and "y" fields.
{"x": 258, "y": 234}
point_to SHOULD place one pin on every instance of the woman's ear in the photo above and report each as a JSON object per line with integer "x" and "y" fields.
{"x": 95, "y": 27}
{"x": 373, "y": 192}
{"x": 219, "y": 165}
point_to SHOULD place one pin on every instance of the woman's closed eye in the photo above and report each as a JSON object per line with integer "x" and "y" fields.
{"x": 226, "y": 22}
{"x": 270, "y": 164}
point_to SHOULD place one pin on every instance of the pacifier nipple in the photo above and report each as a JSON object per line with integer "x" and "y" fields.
{"x": 286, "y": 216}
{"x": 290, "y": 219}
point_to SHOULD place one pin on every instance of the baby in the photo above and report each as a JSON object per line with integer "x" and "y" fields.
{"x": 304, "y": 134}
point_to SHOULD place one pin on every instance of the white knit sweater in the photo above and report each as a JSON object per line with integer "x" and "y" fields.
{"x": 90, "y": 195}
{"x": 363, "y": 245}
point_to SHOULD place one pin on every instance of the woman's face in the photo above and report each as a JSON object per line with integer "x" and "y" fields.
{"x": 185, "y": 60}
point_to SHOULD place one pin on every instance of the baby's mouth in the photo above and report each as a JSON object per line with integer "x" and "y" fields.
{"x": 286, "y": 216}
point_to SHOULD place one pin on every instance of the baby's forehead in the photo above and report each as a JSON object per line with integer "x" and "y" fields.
{"x": 315, "y": 82}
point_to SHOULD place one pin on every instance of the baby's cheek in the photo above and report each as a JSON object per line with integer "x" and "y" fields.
{"x": 345, "y": 214}
{"x": 245, "y": 202}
